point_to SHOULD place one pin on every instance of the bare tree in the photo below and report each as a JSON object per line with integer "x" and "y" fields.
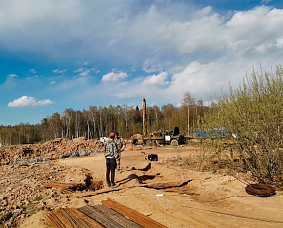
{"x": 189, "y": 101}
{"x": 93, "y": 114}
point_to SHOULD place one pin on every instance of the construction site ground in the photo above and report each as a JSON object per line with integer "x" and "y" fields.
{"x": 205, "y": 200}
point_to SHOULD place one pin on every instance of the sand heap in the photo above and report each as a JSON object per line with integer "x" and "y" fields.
{"x": 53, "y": 149}
{"x": 22, "y": 193}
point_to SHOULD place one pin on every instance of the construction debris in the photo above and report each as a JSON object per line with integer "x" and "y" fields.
{"x": 99, "y": 217}
{"x": 168, "y": 184}
{"x": 70, "y": 218}
{"x": 93, "y": 185}
{"x": 158, "y": 185}
{"x": 132, "y": 214}
{"x": 111, "y": 215}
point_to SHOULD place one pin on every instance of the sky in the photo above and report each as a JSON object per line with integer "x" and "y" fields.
{"x": 79, "y": 53}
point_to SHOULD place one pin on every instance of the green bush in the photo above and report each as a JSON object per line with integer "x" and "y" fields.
{"x": 253, "y": 114}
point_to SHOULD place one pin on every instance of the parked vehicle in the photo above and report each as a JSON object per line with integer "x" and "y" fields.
{"x": 168, "y": 137}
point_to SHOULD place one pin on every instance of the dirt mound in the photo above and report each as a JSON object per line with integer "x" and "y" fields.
{"x": 53, "y": 149}
{"x": 23, "y": 193}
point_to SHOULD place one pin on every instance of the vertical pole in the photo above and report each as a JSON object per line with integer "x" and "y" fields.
{"x": 144, "y": 116}
{"x": 188, "y": 120}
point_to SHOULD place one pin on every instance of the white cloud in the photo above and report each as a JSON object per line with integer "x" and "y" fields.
{"x": 123, "y": 83}
{"x": 151, "y": 65}
{"x": 83, "y": 71}
{"x": 57, "y": 71}
{"x": 26, "y": 101}
{"x": 12, "y": 76}
{"x": 112, "y": 76}
{"x": 33, "y": 71}
{"x": 248, "y": 30}
{"x": 52, "y": 83}
{"x": 175, "y": 69}
{"x": 79, "y": 70}
{"x": 204, "y": 11}
{"x": 265, "y": 1}
{"x": 161, "y": 31}
{"x": 206, "y": 49}
{"x": 279, "y": 42}
{"x": 156, "y": 79}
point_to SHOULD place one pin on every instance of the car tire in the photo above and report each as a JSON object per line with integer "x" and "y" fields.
{"x": 174, "y": 142}
{"x": 260, "y": 190}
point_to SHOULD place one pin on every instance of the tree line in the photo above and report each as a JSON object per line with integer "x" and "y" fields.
{"x": 96, "y": 122}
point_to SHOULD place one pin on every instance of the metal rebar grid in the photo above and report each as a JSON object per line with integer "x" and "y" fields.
{"x": 99, "y": 217}
{"x": 70, "y": 218}
{"x": 55, "y": 220}
{"x": 119, "y": 218}
{"x": 132, "y": 214}
{"x": 115, "y": 216}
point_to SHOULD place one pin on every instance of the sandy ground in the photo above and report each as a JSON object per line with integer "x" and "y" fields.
{"x": 208, "y": 200}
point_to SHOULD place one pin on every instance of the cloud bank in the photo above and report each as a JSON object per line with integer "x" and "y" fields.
{"x": 26, "y": 101}
{"x": 162, "y": 48}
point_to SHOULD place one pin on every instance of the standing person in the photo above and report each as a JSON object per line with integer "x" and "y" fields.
{"x": 112, "y": 159}
{"x": 121, "y": 147}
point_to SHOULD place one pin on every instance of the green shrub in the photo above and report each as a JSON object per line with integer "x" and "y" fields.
{"x": 253, "y": 114}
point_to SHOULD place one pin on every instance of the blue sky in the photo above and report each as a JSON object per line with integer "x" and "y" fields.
{"x": 73, "y": 54}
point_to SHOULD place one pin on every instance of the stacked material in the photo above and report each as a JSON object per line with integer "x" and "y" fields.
{"x": 111, "y": 214}
{"x": 70, "y": 217}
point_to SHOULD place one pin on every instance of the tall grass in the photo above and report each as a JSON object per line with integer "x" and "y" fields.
{"x": 253, "y": 114}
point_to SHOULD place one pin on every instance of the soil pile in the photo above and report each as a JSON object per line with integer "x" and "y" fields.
{"x": 53, "y": 149}
{"x": 22, "y": 192}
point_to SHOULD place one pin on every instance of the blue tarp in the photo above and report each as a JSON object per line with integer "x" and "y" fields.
{"x": 211, "y": 133}
{"x": 81, "y": 153}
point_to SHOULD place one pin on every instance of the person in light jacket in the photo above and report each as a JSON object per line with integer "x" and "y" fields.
{"x": 112, "y": 159}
